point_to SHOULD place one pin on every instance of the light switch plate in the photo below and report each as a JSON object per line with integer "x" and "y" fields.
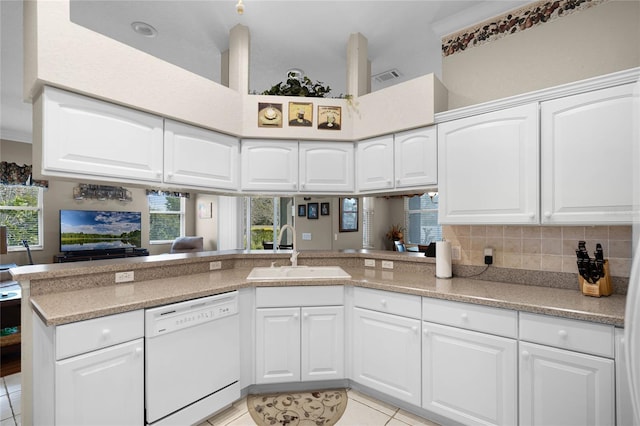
{"x": 124, "y": 277}
{"x": 306, "y": 236}
{"x": 215, "y": 265}
{"x": 387, "y": 264}
{"x": 370, "y": 262}
{"x": 455, "y": 253}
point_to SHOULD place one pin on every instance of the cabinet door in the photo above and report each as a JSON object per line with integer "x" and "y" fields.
{"x": 326, "y": 167}
{"x": 84, "y": 136}
{"x": 104, "y": 387}
{"x": 587, "y": 147}
{"x": 199, "y": 157}
{"x": 488, "y": 168}
{"x": 374, "y": 158}
{"x": 269, "y": 165}
{"x": 416, "y": 158}
{"x": 277, "y": 345}
{"x": 386, "y": 354}
{"x": 322, "y": 348}
{"x": 469, "y": 377}
{"x": 559, "y": 387}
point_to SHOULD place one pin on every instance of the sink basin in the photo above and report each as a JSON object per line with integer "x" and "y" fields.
{"x": 283, "y": 273}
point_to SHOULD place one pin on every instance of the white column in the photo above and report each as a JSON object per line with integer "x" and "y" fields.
{"x": 239, "y": 43}
{"x": 358, "y": 68}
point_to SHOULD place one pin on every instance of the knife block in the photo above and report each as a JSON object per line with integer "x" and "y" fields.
{"x": 602, "y": 287}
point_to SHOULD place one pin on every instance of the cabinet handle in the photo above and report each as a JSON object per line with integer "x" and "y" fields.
{"x": 425, "y": 332}
{"x": 383, "y": 302}
{"x": 106, "y": 333}
{"x": 525, "y": 355}
{"x": 563, "y": 334}
{"x": 169, "y": 175}
{"x": 295, "y": 185}
{"x": 138, "y": 352}
{"x": 296, "y": 315}
{"x": 398, "y": 181}
{"x": 414, "y": 328}
{"x": 532, "y": 215}
{"x": 464, "y": 316}
{"x": 159, "y": 173}
{"x": 302, "y": 185}
{"x": 306, "y": 315}
{"x": 547, "y": 214}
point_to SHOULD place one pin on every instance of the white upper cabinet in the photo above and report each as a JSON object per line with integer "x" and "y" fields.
{"x": 416, "y": 158}
{"x": 489, "y": 167}
{"x": 269, "y": 165}
{"x": 85, "y": 137}
{"x": 587, "y": 157}
{"x": 327, "y": 167}
{"x": 374, "y": 163}
{"x": 199, "y": 157}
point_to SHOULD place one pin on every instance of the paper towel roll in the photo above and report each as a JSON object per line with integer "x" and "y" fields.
{"x": 443, "y": 259}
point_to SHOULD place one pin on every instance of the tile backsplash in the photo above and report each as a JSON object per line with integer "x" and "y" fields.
{"x": 541, "y": 248}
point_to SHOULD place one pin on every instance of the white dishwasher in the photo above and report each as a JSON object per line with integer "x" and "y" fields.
{"x": 192, "y": 359}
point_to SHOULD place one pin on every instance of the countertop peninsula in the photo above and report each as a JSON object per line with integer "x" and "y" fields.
{"x": 83, "y": 291}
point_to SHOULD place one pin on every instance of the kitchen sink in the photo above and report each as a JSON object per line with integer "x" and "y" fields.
{"x": 283, "y": 273}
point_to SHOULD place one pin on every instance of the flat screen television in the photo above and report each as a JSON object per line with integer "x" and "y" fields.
{"x": 99, "y": 230}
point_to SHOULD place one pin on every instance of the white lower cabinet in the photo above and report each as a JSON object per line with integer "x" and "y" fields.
{"x": 469, "y": 377}
{"x": 278, "y": 345}
{"x": 295, "y": 343}
{"x": 386, "y": 353}
{"x": 104, "y": 387}
{"x": 566, "y": 372}
{"x": 89, "y": 372}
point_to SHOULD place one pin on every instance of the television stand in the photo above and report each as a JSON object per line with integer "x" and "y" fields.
{"x": 79, "y": 256}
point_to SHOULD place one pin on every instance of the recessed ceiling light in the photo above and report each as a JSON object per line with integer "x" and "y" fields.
{"x": 144, "y": 29}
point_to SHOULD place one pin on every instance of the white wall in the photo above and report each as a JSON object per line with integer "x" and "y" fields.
{"x": 595, "y": 41}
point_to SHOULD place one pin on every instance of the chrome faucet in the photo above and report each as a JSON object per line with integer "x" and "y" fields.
{"x": 294, "y": 254}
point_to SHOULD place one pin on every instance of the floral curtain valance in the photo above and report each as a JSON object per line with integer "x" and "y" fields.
{"x": 168, "y": 193}
{"x": 14, "y": 174}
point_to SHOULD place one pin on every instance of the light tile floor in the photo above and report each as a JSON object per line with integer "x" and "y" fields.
{"x": 10, "y": 388}
{"x": 362, "y": 410}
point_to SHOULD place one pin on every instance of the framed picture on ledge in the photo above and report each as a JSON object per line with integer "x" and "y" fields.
{"x": 302, "y": 210}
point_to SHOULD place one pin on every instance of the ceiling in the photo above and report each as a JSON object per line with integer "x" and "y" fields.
{"x": 304, "y": 34}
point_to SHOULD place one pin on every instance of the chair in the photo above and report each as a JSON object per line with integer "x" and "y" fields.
{"x": 187, "y": 245}
{"x": 399, "y": 245}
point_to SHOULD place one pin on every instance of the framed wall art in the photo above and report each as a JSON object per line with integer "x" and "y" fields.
{"x": 312, "y": 210}
{"x": 269, "y": 115}
{"x": 324, "y": 209}
{"x": 302, "y": 209}
{"x": 301, "y": 114}
{"x": 329, "y": 117}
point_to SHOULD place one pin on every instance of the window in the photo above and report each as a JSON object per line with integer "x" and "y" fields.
{"x": 368, "y": 209}
{"x": 421, "y": 219}
{"x": 166, "y": 218}
{"x": 264, "y": 216}
{"x": 21, "y": 213}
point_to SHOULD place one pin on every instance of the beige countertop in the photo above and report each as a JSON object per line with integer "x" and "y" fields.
{"x": 74, "y": 305}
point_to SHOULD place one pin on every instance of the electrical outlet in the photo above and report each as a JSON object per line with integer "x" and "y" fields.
{"x": 387, "y": 264}
{"x": 215, "y": 265}
{"x": 488, "y": 255}
{"x": 306, "y": 236}
{"x": 455, "y": 253}
{"x": 124, "y": 277}
{"x": 370, "y": 262}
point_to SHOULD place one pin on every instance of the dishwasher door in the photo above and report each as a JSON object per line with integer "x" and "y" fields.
{"x": 192, "y": 351}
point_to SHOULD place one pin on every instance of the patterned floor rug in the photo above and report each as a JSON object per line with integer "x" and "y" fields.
{"x": 317, "y": 408}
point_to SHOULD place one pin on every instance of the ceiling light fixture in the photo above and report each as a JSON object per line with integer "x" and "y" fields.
{"x": 144, "y": 29}
{"x": 240, "y": 7}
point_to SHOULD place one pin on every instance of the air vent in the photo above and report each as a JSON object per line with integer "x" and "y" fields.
{"x": 383, "y": 77}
